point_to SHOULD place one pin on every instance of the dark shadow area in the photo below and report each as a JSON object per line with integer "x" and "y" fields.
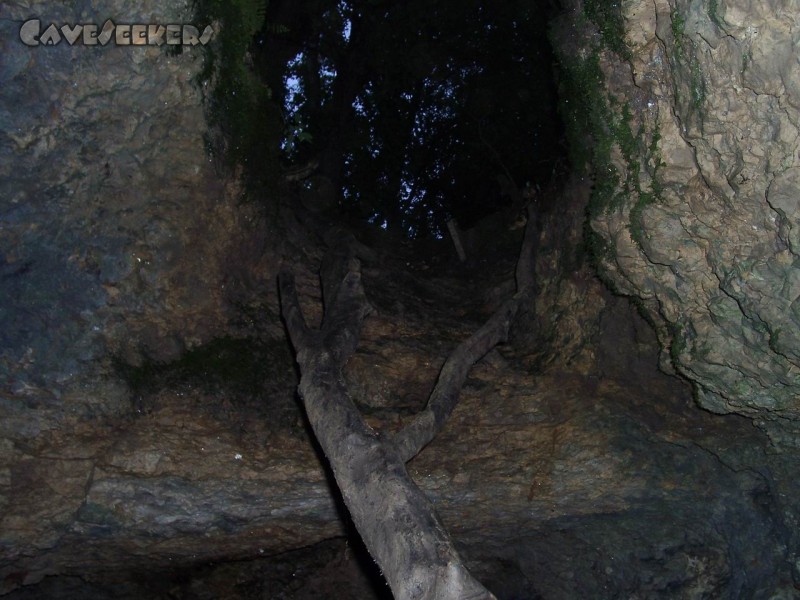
{"x": 333, "y": 569}
{"x": 238, "y": 377}
{"x": 410, "y": 115}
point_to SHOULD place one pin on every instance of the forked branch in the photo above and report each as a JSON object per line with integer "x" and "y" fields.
{"x": 394, "y": 518}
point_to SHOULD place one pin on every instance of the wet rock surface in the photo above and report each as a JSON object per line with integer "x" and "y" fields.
{"x": 115, "y": 225}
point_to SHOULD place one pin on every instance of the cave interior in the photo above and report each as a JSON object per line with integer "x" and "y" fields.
{"x": 632, "y": 167}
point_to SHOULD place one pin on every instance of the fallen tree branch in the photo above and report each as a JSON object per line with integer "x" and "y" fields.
{"x": 419, "y": 433}
{"x": 526, "y": 264}
{"x": 410, "y": 440}
{"x": 394, "y": 518}
{"x": 452, "y": 227}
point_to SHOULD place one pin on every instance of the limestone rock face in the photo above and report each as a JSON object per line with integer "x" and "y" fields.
{"x": 704, "y": 111}
{"x": 119, "y": 245}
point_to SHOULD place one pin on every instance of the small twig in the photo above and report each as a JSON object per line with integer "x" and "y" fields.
{"x": 452, "y": 227}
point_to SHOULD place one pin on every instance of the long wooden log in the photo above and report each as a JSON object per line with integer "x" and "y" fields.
{"x": 394, "y": 518}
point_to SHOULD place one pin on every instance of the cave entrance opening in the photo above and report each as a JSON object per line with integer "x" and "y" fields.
{"x": 411, "y": 118}
{"x": 412, "y": 115}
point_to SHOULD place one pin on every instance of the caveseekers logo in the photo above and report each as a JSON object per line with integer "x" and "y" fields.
{"x": 89, "y": 34}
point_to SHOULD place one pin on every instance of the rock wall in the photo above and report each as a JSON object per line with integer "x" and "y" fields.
{"x": 697, "y": 206}
{"x": 116, "y": 232}
{"x": 120, "y": 244}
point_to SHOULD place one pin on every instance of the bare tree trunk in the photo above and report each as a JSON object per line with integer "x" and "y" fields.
{"x": 395, "y": 519}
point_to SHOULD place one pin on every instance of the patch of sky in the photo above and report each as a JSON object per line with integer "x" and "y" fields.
{"x": 327, "y": 76}
{"x": 292, "y": 104}
{"x": 295, "y": 94}
{"x": 344, "y": 9}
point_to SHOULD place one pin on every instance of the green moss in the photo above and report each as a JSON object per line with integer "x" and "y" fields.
{"x": 240, "y": 105}
{"x": 588, "y": 121}
{"x": 686, "y": 58}
{"x": 701, "y": 352}
{"x": 774, "y": 341}
{"x": 645, "y": 198}
{"x": 238, "y": 366}
{"x": 655, "y": 162}
{"x": 583, "y": 108}
{"x": 713, "y": 12}
{"x": 596, "y": 125}
{"x": 612, "y": 189}
{"x": 698, "y": 85}
{"x": 677, "y": 345}
{"x": 643, "y": 312}
{"x": 625, "y": 137}
{"x": 678, "y": 25}
{"x": 609, "y": 20}
{"x": 636, "y": 225}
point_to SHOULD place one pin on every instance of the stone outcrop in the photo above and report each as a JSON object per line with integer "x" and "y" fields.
{"x": 120, "y": 247}
{"x": 703, "y": 111}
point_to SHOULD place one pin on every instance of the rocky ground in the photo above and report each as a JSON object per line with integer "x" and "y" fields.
{"x": 588, "y": 474}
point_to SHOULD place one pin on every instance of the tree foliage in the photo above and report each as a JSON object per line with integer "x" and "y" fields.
{"x": 417, "y": 111}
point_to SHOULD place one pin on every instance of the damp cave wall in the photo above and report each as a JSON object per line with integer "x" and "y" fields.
{"x": 117, "y": 232}
{"x": 123, "y": 244}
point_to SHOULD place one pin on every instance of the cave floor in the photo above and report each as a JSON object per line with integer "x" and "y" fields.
{"x": 556, "y": 481}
